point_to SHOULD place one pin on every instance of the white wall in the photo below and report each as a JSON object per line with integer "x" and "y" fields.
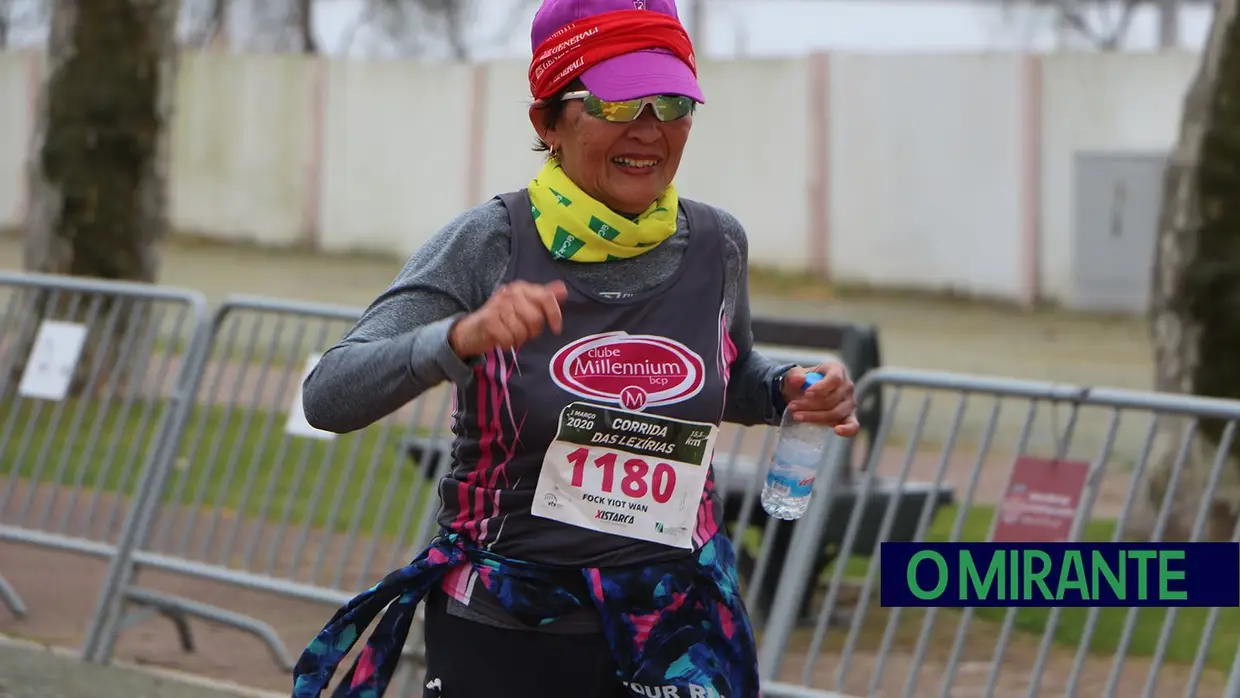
{"x": 243, "y": 146}
{"x": 394, "y": 167}
{"x": 943, "y": 172}
{"x": 16, "y": 128}
{"x": 1115, "y": 102}
{"x": 925, "y": 160}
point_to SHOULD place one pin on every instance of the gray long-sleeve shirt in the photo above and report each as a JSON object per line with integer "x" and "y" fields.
{"x": 399, "y": 348}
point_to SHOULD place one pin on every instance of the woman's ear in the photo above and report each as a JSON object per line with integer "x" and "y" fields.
{"x": 538, "y": 120}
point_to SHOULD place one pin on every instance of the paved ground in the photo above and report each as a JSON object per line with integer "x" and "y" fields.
{"x": 30, "y": 671}
{"x": 915, "y": 333}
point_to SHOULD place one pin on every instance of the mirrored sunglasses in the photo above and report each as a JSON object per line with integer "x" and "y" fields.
{"x": 665, "y": 107}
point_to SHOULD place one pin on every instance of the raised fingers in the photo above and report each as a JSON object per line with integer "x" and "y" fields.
{"x": 538, "y": 306}
{"x": 520, "y": 322}
{"x": 834, "y": 378}
{"x": 850, "y": 427}
{"x": 520, "y": 310}
{"x": 833, "y": 415}
{"x": 549, "y": 299}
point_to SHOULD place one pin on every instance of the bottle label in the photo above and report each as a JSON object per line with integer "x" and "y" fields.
{"x": 790, "y": 486}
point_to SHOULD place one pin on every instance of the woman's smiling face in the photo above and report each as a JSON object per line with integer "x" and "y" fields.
{"x": 625, "y": 166}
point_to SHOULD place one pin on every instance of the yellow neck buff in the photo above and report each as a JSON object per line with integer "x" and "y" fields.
{"x": 574, "y": 226}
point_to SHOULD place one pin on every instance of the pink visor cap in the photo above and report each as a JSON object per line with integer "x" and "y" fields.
{"x": 632, "y": 75}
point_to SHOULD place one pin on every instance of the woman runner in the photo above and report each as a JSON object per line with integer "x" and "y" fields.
{"x": 597, "y": 330}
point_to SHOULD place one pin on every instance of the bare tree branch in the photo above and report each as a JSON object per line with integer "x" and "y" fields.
{"x": 6, "y": 8}
{"x": 206, "y": 23}
{"x": 398, "y": 24}
{"x": 1074, "y": 15}
{"x": 281, "y": 25}
{"x": 513, "y": 20}
{"x": 412, "y": 27}
{"x": 21, "y": 14}
{"x": 305, "y": 25}
{"x": 365, "y": 19}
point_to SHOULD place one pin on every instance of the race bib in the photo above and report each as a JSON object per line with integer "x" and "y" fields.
{"x": 626, "y": 473}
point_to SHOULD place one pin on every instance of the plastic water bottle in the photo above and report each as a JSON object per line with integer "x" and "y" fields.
{"x": 794, "y": 464}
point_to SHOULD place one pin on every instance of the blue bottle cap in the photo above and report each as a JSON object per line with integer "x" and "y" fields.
{"x": 810, "y": 379}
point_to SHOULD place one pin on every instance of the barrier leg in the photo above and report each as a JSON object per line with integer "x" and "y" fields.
{"x": 176, "y": 607}
{"x": 1233, "y": 685}
{"x": 176, "y": 616}
{"x": 794, "y": 577}
{"x": 109, "y": 607}
{"x": 11, "y": 599}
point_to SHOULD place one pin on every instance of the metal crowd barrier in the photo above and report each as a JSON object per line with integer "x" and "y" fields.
{"x": 254, "y": 498}
{"x": 90, "y": 374}
{"x": 1118, "y": 464}
{"x": 243, "y": 494}
{"x": 246, "y": 500}
{"x": 179, "y": 448}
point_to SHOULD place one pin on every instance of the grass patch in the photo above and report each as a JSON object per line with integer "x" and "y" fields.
{"x": 238, "y": 459}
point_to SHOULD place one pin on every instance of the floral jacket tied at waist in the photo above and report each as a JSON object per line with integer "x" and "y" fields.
{"x": 677, "y": 624}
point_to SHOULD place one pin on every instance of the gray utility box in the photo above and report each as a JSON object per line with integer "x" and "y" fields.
{"x": 1116, "y": 198}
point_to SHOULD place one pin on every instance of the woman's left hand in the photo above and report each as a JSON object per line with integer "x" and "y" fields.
{"x": 828, "y": 402}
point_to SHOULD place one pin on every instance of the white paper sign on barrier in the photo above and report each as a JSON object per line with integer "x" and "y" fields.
{"x": 297, "y": 424}
{"x": 53, "y": 360}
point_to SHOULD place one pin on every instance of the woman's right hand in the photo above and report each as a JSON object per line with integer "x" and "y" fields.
{"x": 514, "y": 314}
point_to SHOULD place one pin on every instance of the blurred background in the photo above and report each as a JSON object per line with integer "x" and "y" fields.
{"x": 296, "y": 124}
{"x": 980, "y": 184}
{"x": 958, "y": 134}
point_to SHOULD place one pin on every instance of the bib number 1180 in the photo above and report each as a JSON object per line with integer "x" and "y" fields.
{"x": 662, "y": 482}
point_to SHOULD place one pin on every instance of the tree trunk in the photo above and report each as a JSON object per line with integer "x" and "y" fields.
{"x": 1195, "y": 309}
{"x": 6, "y": 22}
{"x": 455, "y": 23}
{"x": 99, "y": 160}
{"x": 305, "y": 27}
{"x": 220, "y": 31}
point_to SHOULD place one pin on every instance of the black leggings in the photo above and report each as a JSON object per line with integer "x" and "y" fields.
{"x": 467, "y": 659}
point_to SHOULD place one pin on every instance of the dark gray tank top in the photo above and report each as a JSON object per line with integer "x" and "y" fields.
{"x": 507, "y": 416}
